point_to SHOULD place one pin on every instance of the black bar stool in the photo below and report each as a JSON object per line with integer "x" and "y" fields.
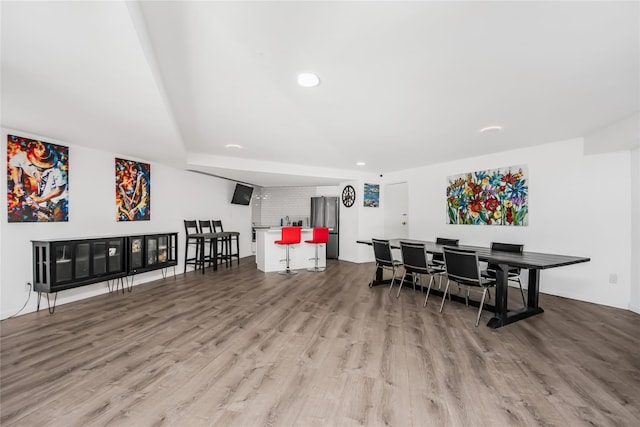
{"x": 190, "y": 228}
{"x": 227, "y": 243}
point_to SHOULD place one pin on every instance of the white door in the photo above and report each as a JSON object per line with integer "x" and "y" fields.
{"x": 396, "y": 207}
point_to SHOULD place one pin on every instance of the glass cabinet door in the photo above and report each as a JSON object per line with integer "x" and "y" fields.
{"x": 115, "y": 256}
{"x": 162, "y": 249}
{"x": 99, "y": 258}
{"x": 172, "y": 247}
{"x": 152, "y": 250}
{"x": 82, "y": 260}
{"x": 136, "y": 253}
{"x": 63, "y": 255}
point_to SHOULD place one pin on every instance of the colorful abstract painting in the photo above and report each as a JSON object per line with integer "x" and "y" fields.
{"x": 133, "y": 190}
{"x": 37, "y": 181}
{"x": 491, "y": 197}
{"x": 371, "y": 195}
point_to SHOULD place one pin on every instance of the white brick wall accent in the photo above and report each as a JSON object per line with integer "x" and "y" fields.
{"x": 256, "y": 206}
{"x": 280, "y": 202}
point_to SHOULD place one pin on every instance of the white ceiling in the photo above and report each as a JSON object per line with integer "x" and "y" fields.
{"x": 403, "y": 84}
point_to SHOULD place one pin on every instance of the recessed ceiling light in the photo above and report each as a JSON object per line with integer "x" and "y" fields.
{"x": 236, "y": 146}
{"x": 308, "y": 80}
{"x": 360, "y": 163}
{"x": 491, "y": 129}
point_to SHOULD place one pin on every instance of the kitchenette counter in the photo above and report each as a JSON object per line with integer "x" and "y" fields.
{"x": 270, "y": 257}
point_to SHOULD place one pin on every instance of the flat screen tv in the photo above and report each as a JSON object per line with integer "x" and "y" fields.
{"x": 242, "y": 195}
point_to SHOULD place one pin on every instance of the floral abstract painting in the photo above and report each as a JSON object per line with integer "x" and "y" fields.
{"x": 37, "y": 181}
{"x": 133, "y": 190}
{"x": 372, "y": 195}
{"x": 491, "y": 197}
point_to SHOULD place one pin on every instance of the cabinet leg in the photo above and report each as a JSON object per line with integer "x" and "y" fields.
{"x": 49, "y": 306}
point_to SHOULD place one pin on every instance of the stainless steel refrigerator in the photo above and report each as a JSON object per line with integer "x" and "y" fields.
{"x": 325, "y": 213}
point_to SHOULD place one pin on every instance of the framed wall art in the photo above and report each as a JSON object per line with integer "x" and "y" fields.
{"x": 133, "y": 190}
{"x": 371, "y": 195}
{"x": 490, "y": 197}
{"x": 37, "y": 181}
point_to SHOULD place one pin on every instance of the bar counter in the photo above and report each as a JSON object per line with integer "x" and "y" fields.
{"x": 270, "y": 257}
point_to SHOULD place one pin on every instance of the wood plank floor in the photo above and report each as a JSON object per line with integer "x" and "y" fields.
{"x": 239, "y": 347}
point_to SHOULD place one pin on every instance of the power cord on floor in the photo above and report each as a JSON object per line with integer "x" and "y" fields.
{"x": 25, "y": 303}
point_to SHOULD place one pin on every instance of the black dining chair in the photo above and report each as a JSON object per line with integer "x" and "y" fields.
{"x": 464, "y": 269}
{"x": 384, "y": 259}
{"x": 513, "y": 274}
{"x": 416, "y": 263}
{"x": 437, "y": 260}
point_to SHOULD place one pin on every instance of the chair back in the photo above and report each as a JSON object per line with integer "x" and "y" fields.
{"x": 382, "y": 252}
{"x": 205, "y": 226}
{"x": 291, "y": 235}
{"x": 505, "y": 247}
{"x": 445, "y": 242}
{"x": 321, "y": 234}
{"x": 414, "y": 257}
{"x": 217, "y": 226}
{"x": 462, "y": 266}
{"x": 190, "y": 227}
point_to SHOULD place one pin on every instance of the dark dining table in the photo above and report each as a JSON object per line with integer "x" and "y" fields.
{"x": 215, "y": 256}
{"x": 534, "y": 262}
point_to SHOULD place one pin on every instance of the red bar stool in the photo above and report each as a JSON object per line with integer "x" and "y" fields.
{"x": 320, "y": 236}
{"x": 290, "y": 236}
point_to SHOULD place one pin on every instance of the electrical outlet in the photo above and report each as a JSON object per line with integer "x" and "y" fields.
{"x": 27, "y": 286}
{"x": 613, "y": 278}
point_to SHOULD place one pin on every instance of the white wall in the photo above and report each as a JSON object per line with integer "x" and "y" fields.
{"x": 360, "y": 223}
{"x": 634, "y": 299}
{"x": 579, "y": 205}
{"x": 175, "y": 195}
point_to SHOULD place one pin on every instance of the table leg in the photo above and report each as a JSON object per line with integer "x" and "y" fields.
{"x": 502, "y": 291}
{"x": 503, "y": 317}
{"x": 533, "y": 292}
{"x": 378, "y": 278}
